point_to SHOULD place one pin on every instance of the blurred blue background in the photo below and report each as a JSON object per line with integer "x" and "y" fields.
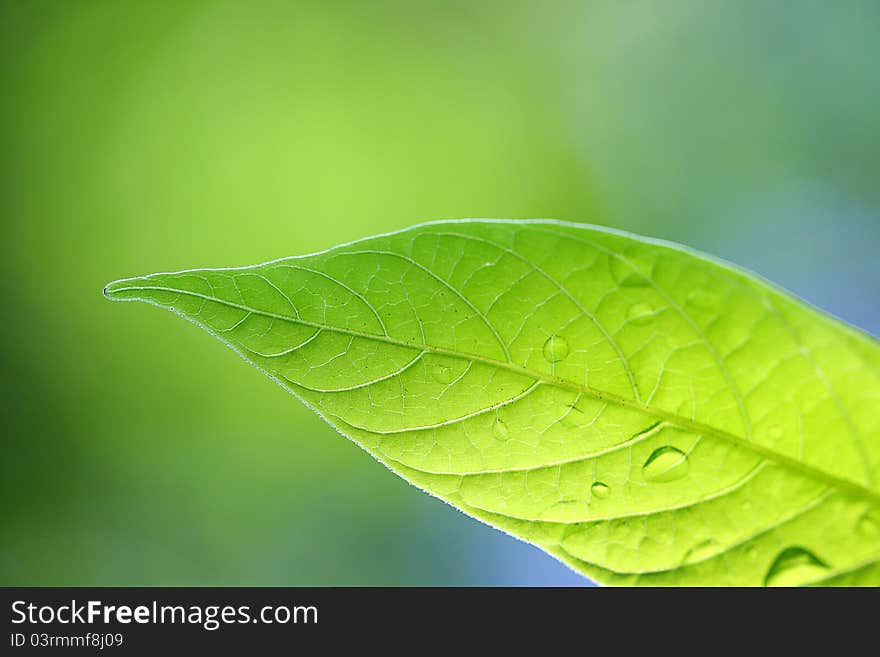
{"x": 154, "y": 136}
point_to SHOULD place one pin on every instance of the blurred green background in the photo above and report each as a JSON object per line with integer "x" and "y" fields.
{"x": 152, "y": 136}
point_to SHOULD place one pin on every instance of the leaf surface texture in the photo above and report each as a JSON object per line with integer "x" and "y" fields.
{"x": 644, "y": 413}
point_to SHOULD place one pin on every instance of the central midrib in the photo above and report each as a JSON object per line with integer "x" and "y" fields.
{"x": 672, "y": 418}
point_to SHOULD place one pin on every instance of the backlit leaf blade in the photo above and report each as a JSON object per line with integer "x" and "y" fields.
{"x": 644, "y": 413}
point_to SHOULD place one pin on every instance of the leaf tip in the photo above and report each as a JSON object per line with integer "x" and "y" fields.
{"x": 109, "y": 291}
{"x": 115, "y": 290}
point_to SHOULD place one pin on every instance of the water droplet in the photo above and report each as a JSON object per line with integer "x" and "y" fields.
{"x": 702, "y": 550}
{"x": 665, "y": 464}
{"x": 640, "y": 313}
{"x": 555, "y": 349}
{"x": 746, "y": 505}
{"x": 793, "y": 566}
{"x": 703, "y": 300}
{"x": 869, "y": 525}
{"x": 625, "y": 275}
{"x": 442, "y": 373}
{"x": 499, "y": 429}
{"x": 751, "y": 551}
{"x": 600, "y": 490}
{"x": 775, "y": 432}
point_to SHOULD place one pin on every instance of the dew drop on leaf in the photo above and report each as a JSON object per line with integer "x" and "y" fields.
{"x": 751, "y": 552}
{"x": 600, "y": 490}
{"x": 794, "y": 566}
{"x": 665, "y": 464}
{"x": 640, "y": 314}
{"x": 555, "y": 349}
{"x": 702, "y": 550}
{"x": 775, "y": 432}
{"x": 499, "y": 429}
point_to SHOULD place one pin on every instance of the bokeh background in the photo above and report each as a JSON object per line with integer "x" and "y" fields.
{"x": 167, "y": 134}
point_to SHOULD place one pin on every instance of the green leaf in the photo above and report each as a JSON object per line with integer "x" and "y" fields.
{"x": 646, "y": 414}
